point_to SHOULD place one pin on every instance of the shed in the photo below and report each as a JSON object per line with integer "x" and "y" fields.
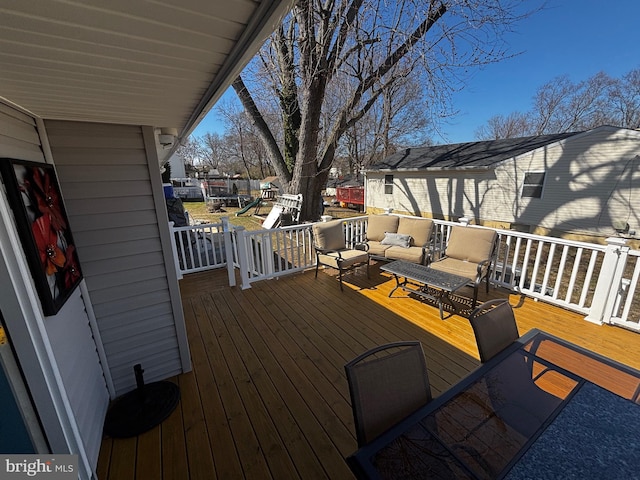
{"x": 584, "y": 184}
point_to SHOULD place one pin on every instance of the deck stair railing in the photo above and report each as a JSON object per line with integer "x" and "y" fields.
{"x": 599, "y": 281}
{"x": 197, "y": 248}
{"x": 270, "y": 253}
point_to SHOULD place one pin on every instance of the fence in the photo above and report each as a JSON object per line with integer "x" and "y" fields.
{"x": 197, "y": 248}
{"x": 599, "y": 281}
{"x": 264, "y": 254}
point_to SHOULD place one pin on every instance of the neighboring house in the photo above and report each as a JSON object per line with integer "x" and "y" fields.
{"x": 104, "y": 95}
{"x": 584, "y": 184}
{"x": 178, "y": 169}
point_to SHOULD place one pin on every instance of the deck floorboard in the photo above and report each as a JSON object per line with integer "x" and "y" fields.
{"x": 267, "y": 397}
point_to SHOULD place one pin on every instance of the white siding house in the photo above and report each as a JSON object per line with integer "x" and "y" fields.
{"x": 583, "y": 184}
{"x": 104, "y": 95}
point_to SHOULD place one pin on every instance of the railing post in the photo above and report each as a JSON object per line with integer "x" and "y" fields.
{"x": 464, "y": 221}
{"x": 174, "y": 251}
{"x": 606, "y": 292}
{"x": 243, "y": 260}
{"x": 388, "y": 210}
{"x": 228, "y": 250}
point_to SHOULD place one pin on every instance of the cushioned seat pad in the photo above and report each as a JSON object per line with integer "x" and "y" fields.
{"x": 411, "y": 254}
{"x": 457, "y": 267}
{"x": 349, "y": 258}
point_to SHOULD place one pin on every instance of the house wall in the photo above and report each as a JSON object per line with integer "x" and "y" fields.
{"x": 57, "y": 354}
{"x": 592, "y": 180}
{"x": 111, "y": 182}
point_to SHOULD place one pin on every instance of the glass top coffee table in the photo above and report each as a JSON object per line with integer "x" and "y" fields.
{"x": 416, "y": 278}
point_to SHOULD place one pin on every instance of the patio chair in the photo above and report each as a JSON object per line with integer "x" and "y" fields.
{"x": 386, "y": 383}
{"x": 523, "y": 405}
{"x": 494, "y": 326}
{"x": 470, "y": 253}
{"x": 331, "y": 250}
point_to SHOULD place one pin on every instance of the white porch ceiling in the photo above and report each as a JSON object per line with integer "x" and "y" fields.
{"x": 145, "y": 62}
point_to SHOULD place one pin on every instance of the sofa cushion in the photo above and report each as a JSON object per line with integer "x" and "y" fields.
{"x": 345, "y": 259}
{"x": 376, "y": 249}
{"x": 457, "y": 267}
{"x": 396, "y": 239}
{"x": 418, "y": 228}
{"x": 410, "y": 254}
{"x": 470, "y": 244}
{"x": 329, "y": 235}
{"x": 377, "y": 225}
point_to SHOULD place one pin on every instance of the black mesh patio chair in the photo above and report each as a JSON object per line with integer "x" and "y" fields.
{"x": 386, "y": 383}
{"x": 494, "y": 326}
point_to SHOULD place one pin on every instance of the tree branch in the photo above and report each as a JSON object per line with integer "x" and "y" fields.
{"x": 256, "y": 118}
{"x": 342, "y": 123}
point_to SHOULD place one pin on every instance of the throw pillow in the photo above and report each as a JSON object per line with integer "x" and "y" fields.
{"x": 396, "y": 239}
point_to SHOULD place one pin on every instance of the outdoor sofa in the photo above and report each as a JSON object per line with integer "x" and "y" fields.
{"x": 393, "y": 237}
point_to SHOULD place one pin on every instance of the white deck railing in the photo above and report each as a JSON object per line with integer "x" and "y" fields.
{"x": 599, "y": 281}
{"x": 202, "y": 247}
{"x": 263, "y": 254}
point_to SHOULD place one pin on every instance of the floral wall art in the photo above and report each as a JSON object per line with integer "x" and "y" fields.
{"x": 34, "y": 196}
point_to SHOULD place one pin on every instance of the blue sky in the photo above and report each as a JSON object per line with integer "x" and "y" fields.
{"x": 578, "y": 38}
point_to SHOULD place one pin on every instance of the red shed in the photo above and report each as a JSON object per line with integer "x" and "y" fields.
{"x": 350, "y": 196}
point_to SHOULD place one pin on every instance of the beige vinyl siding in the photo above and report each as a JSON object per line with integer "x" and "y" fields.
{"x": 105, "y": 176}
{"x": 68, "y": 332}
{"x": 591, "y": 181}
{"x": 18, "y": 135}
{"x": 447, "y": 194}
{"x": 76, "y": 356}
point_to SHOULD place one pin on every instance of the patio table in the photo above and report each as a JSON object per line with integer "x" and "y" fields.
{"x": 488, "y": 426}
{"x": 418, "y": 278}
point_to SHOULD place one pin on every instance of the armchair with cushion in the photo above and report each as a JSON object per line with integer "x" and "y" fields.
{"x": 470, "y": 253}
{"x": 331, "y": 250}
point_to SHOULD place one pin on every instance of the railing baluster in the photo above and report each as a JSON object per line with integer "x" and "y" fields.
{"x": 574, "y": 274}
{"x": 630, "y": 294}
{"x": 563, "y": 260}
{"x": 587, "y": 278}
{"x": 536, "y": 265}
{"x": 514, "y": 265}
{"x": 548, "y": 267}
{"x": 525, "y": 266}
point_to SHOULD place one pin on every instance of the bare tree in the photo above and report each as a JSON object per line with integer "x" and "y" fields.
{"x": 624, "y": 100}
{"x": 514, "y": 125}
{"x": 192, "y": 152}
{"x": 213, "y": 144}
{"x": 361, "y": 48}
{"x": 241, "y": 148}
{"x": 564, "y": 106}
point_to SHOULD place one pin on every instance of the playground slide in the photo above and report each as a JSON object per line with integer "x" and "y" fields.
{"x": 249, "y": 206}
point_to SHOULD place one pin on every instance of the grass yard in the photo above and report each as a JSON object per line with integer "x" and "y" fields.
{"x": 198, "y": 213}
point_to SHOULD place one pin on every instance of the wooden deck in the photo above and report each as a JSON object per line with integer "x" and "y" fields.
{"x": 268, "y": 398}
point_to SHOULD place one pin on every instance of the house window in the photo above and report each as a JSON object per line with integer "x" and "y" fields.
{"x": 533, "y": 183}
{"x": 388, "y": 184}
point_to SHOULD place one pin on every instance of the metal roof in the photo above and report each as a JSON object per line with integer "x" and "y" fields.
{"x": 145, "y": 62}
{"x": 485, "y": 154}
